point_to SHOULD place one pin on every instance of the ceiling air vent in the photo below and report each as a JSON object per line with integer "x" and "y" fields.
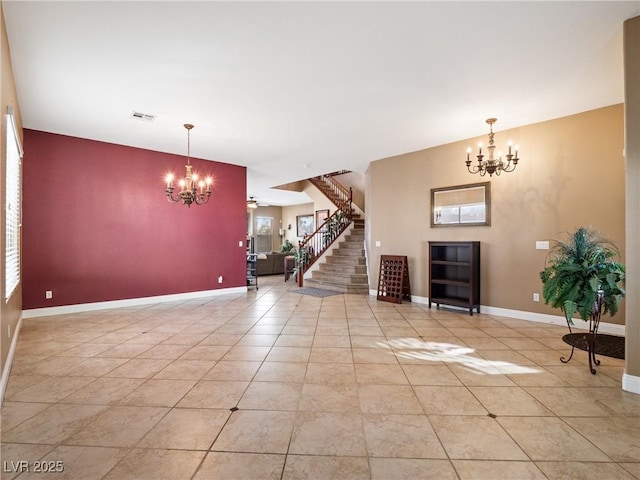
{"x": 143, "y": 116}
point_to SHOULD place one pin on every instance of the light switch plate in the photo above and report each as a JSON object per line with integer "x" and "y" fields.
{"x": 542, "y": 245}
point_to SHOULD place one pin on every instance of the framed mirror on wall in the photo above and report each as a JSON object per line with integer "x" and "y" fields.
{"x": 461, "y": 205}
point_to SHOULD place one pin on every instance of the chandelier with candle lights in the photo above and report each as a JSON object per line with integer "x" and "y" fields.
{"x": 493, "y": 164}
{"x": 192, "y": 189}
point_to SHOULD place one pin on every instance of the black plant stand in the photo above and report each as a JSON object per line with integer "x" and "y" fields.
{"x": 590, "y": 338}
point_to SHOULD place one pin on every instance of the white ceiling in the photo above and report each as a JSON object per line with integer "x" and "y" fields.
{"x": 296, "y": 89}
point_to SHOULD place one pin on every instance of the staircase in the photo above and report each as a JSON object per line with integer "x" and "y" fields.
{"x": 345, "y": 269}
{"x": 331, "y": 189}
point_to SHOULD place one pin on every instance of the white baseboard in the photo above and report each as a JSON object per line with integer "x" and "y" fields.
{"x": 630, "y": 383}
{"x": 131, "y": 302}
{"x": 7, "y": 365}
{"x": 610, "y": 328}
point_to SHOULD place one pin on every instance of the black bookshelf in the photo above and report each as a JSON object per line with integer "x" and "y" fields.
{"x": 454, "y": 274}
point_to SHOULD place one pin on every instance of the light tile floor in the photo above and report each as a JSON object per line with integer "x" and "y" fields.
{"x": 275, "y": 385}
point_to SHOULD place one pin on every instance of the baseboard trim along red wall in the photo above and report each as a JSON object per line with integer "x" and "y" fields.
{"x": 139, "y": 303}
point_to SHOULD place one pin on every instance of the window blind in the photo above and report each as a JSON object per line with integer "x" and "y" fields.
{"x": 264, "y": 234}
{"x": 13, "y": 208}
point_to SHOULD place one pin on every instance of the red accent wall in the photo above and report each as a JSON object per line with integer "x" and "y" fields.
{"x": 97, "y": 226}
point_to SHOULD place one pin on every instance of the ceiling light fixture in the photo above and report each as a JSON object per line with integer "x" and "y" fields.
{"x": 492, "y": 165}
{"x": 251, "y": 203}
{"x": 192, "y": 190}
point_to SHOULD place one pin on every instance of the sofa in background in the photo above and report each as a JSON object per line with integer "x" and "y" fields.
{"x": 271, "y": 263}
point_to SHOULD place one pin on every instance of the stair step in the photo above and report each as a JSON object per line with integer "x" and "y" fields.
{"x": 348, "y": 252}
{"x": 343, "y": 268}
{"x": 346, "y": 260}
{"x": 354, "y": 238}
{"x": 351, "y": 289}
{"x": 341, "y": 279}
{"x": 350, "y": 244}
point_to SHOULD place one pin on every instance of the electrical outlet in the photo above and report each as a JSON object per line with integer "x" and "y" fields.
{"x": 220, "y": 278}
{"x": 536, "y": 297}
{"x": 542, "y": 245}
{"x": 240, "y": 243}
{"x": 48, "y": 294}
{"x": 378, "y": 243}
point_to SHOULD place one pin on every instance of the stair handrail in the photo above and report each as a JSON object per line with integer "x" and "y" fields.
{"x": 337, "y": 172}
{"x": 337, "y": 192}
{"x": 315, "y": 244}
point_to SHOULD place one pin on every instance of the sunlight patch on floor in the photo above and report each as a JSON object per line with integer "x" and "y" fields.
{"x": 412, "y": 348}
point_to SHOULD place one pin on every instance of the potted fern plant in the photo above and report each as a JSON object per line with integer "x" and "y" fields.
{"x": 577, "y": 269}
{"x": 287, "y": 247}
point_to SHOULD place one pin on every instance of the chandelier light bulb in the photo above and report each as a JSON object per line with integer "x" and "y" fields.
{"x": 169, "y": 180}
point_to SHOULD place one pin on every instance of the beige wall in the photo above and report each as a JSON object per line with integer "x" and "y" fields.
{"x": 571, "y": 173}
{"x": 11, "y": 309}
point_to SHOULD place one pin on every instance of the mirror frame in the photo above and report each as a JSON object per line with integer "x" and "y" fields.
{"x": 487, "y": 203}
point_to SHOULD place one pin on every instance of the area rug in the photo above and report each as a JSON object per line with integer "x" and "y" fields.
{"x": 314, "y": 292}
{"x": 606, "y": 345}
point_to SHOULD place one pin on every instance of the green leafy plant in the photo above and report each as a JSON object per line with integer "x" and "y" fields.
{"x": 301, "y": 258}
{"x": 332, "y": 227}
{"x": 577, "y": 269}
{"x": 286, "y": 247}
